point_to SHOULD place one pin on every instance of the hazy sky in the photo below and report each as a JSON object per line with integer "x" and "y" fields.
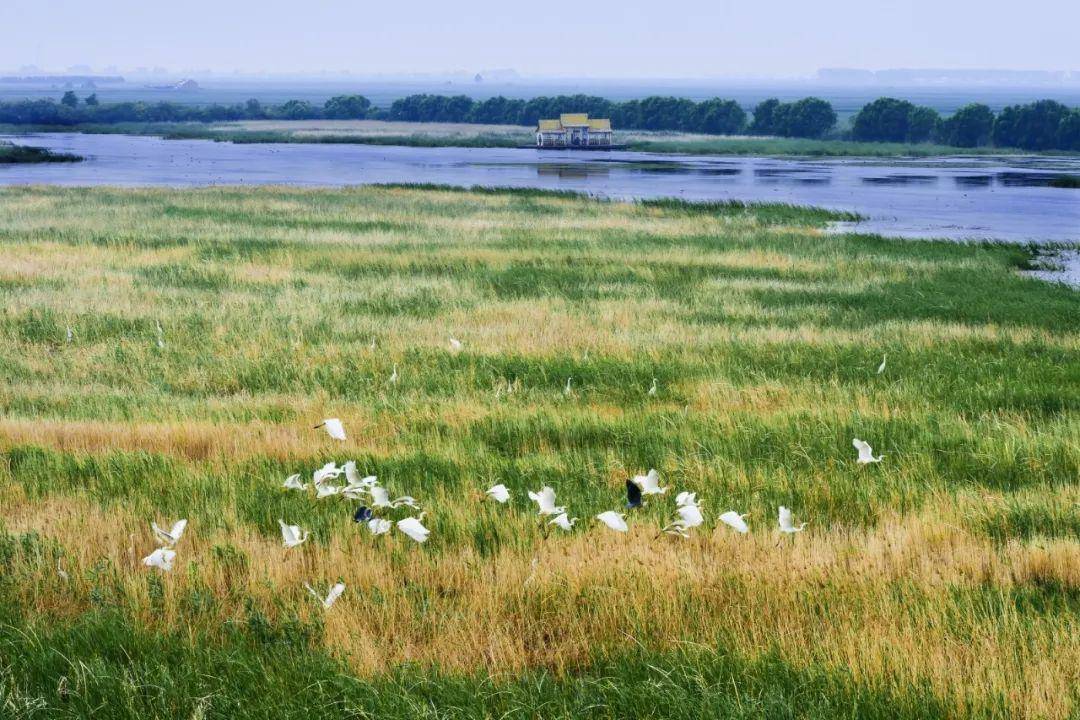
{"x": 609, "y": 38}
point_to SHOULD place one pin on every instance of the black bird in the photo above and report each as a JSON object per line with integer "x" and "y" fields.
{"x": 363, "y": 514}
{"x": 633, "y": 495}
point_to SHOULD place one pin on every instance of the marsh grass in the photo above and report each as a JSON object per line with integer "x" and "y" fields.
{"x": 944, "y": 582}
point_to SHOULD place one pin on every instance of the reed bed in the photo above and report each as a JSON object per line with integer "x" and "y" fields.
{"x": 944, "y": 582}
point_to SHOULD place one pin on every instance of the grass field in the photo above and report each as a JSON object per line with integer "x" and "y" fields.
{"x": 943, "y": 582}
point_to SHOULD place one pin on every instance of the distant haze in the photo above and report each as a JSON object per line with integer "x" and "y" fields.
{"x": 628, "y": 38}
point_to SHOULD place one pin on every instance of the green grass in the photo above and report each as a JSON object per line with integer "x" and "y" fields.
{"x": 944, "y": 582}
{"x": 11, "y": 154}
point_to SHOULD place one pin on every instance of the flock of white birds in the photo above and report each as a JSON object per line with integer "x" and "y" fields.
{"x": 688, "y": 512}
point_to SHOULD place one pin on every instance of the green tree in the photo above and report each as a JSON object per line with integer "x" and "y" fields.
{"x": 1069, "y": 131}
{"x": 70, "y": 99}
{"x": 765, "y": 118}
{"x": 91, "y": 100}
{"x": 810, "y": 117}
{"x": 296, "y": 110}
{"x": 347, "y": 107}
{"x": 970, "y": 126}
{"x": 922, "y": 124}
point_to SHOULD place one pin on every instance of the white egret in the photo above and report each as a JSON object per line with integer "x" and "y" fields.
{"x": 650, "y": 483}
{"x": 171, "y": 537}
{"x": 881, "y": 367}
{"x": 686, "y": 498}
{"x": 380, "y": 498}
{"x": 735, "y": 521}
{"x": 291, "y": 535}
{"x": 866, "y": 453}
{"x": 653, "y": 389}
{"x": 562, "y": 521}
{"x": 334, "y": 428}
{"x": 455, "y": 345}
{"x": 378, "y": 526}
{"x": 160, "y": 335}
{"x": 60, "y": 571}
{"x": 293, "y": 483}
{"x": 394, "y": 376}
{"x": 498, "y": 493}
{"x": 568, "y": 389}
{"x": 327, "y": 471}
{"x": 70, "y": 334}
{"x": 414, "y": 528}
{"x": 162, "y": 558}
{"x": 687, "y": 516}
{"x": 545, "y": 501}
{"x": 331, "y": 597}
{"x": 786, "y": 526}
{"x": 371, "y": 346}
{"x": 325, "y": 491}
{"x": 613, "y": 520}
{"x": 353, "y": 476}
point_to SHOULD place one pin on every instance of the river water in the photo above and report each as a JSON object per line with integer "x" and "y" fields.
{"x": 1004, "y": 198}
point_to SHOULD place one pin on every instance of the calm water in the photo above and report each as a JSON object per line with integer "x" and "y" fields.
{"x": 1003, "y": 198}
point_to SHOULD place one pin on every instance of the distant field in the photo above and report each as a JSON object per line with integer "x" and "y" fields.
{"x": 942, "y": 583}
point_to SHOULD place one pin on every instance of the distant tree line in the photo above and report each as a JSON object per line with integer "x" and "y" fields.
{"x": 73, "y": 111}
{"x": 1042, "y": 125}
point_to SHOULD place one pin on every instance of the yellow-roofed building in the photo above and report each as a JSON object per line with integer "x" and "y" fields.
{"x": 574, "y": 130}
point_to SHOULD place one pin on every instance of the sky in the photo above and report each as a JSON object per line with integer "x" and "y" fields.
{"x": 604, "y": 38}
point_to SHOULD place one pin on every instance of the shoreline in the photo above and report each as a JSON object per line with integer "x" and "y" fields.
{"x": 463, "y": 135}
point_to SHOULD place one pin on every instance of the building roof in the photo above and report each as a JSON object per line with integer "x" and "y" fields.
{"x": 574, "y": 119}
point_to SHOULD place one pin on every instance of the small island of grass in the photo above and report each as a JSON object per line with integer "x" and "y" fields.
{"x": 11, "y": 154}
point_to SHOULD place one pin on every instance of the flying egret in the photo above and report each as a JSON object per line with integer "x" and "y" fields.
{"x": 325, "y": 491}
{"x": 866, "y": 453}
{"x": 633, "y": 495}
{"x": 354, "y": 478}
{"x": 786, "y": 526}
{"x": 545, "y": 501}
{"x": 394, "y": 376}
{"x": 652, "y": 390}
{"x": 331, "y": 597}
{"x": 380, "y": 498}
{"x": 414, "y": 528}
{"x": 293, "y": 483}
{"x": 686, "y": 498}
{"x": 650, "y": 483}
{"x": 171, "y": 537}
{"x": 688, "y": 516}
{"x": 498, "y": 493}
{"x": 162, "y": 558}
{"x": 327, "y": 471}
{"x": 613, "y": 520}
{"x": 562, "y": 521}
{"x": 334, "y": 428}
{"x": 735, "y": 521}
{"x": 379, "y": 526}
{"x": 455, "y": 345}
{"x": 881, "y": 367}
{"x": 363, "y": 514}
{"x": 292, "y": 535}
